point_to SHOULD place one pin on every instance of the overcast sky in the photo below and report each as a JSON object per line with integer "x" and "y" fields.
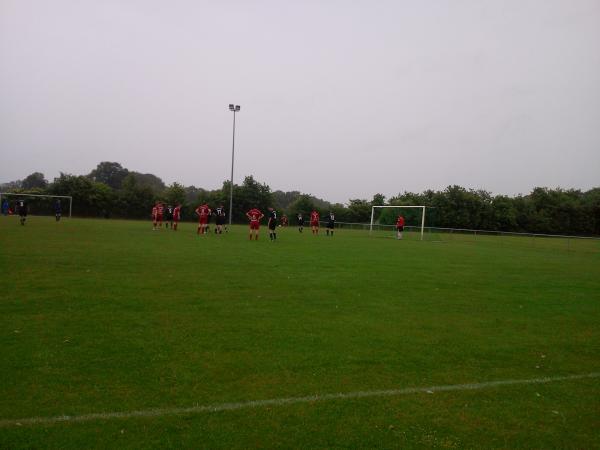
{"x": 340, "y": 99}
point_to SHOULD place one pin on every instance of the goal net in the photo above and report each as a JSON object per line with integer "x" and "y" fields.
{"x": 383, "y": 221}
{"x": 37, "y": 204}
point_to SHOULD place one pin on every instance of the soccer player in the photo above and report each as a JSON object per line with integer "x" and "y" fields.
{"x": 272, "y": 224}
{"x": 5, "y": 207}
{"x": 160, "y": 210}
{"x": 57, "y": 210}
{"x": 154, "y": 216}
{"x": 254, "y": 215}
{"x": 300, "y": 222}
{"x": 314, "y": 222}
{"x": 169, "y": 216}
{"x": 22, "y": 209}
{"x": 203, "y": 212}
{"x": 176, "y": 216}
{"x": 330, "y": 224}
{"x": 399, "y": 227}
{"x": 220, "y": 219}
{"x": 284, "y": 221}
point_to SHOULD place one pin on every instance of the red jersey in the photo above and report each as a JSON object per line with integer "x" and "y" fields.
{"x": 314, "y": 216}
{"x": 160, "y": 209}
{"x": 400, "y": 221}
{"x": 254, "y": 215}
{"x": 203, "y": 211}
{"x": 154, "y": 211}
{"x": 176, "y": 213}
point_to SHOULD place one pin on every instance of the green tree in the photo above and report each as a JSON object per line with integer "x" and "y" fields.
{"x": 90, "y": 199}
{"x": 110, "y": 173}
{"x": 34, "y": 181}
{"x": 149, "y": 180}
{"x": 359, "y": 211}
{"x": 303, "y": 204}
{"x": 175, "y": 194}
{"x": 134, "y": 201}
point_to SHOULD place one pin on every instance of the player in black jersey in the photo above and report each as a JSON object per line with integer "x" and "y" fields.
{"x": 57, "y": 210}
{"x": 22, "y": 209}
{"x": 272, "y": 224}
{"x": 300, "y": 222}
{"x": 220, "y": 219}
{"x": 169, "y": 216}
{"x": 330, "y": 224}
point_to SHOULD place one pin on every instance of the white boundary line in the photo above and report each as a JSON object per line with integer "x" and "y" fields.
{"x": 160, "y": 412}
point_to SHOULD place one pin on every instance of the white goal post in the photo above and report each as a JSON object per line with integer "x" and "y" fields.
{"x": 399, "y": 206}
{"x": 24, "y": 194}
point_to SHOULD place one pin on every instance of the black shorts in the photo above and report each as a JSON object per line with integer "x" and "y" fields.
{"x": 330, "y": 224}
{"x": 400, "y": 228}
{"x": 272, "y": 224}
{"x": 220, "y": 220}
{"x": 301, "y": 223}
{"x": 169, "y": 217}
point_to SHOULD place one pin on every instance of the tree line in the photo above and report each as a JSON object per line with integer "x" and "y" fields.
{"x": 110, "y": 190}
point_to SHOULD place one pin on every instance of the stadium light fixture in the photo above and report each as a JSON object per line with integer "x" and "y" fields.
{"x": 233, "y": 108}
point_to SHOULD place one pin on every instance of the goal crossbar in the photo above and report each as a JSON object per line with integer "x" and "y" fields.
{"x": 25, "y": 194}
{"x": 399, "y": 206}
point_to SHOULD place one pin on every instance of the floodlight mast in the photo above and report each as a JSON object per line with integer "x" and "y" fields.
{"x": 233, "y": 108}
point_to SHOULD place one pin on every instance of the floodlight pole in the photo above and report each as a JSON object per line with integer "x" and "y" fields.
{"x": 234, "y": 109}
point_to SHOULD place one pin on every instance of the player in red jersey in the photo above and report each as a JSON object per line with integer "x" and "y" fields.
{"x": 154, "y": 216}
{"x": 314, "y": 222}
{"x": 399, "y": 226}
{"x": 160, "y": 209}
{"x": 176, "y": 216}
{"x": 254, "y": 215}
{"x": 203, "y": 212}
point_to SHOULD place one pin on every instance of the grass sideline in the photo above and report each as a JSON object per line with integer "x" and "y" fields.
{"x": 103, "y": 316}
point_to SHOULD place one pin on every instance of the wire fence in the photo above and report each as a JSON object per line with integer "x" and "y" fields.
{"x": 502, "y": 238}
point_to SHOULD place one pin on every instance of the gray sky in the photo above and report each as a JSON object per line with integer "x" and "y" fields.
{"x": 341, "y": 99}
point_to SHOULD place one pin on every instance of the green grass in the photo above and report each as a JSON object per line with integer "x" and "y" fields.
{"x": 104, "y": 316}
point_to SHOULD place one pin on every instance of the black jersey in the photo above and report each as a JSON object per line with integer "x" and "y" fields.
{"x": 300, "y": 219}
{"x": 169, "y": 212}
{"x": 22, "y": 207}
{"x": 220, "y": 215}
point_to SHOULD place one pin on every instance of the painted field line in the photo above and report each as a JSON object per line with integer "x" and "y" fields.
{"x": 159, "y": 412}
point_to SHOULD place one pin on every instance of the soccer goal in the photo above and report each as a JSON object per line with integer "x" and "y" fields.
{"x": 37, "y": 204}
{"x": 388, "y": 220}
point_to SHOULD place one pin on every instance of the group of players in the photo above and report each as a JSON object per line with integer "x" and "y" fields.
{"x": 22, "y": 209}
{"x": 171, "y": 217}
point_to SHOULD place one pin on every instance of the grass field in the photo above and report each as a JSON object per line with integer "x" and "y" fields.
{"x": 108, "y": 316}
